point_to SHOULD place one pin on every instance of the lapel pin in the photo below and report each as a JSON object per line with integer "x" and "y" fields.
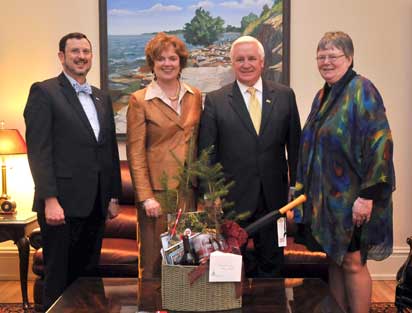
{"x": 268, "y": 101}
{"x": 97, "y": 98}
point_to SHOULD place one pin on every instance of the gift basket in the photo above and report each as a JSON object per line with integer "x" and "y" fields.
{"x": 179, "y": 294}
{"x": 193, "y": 237}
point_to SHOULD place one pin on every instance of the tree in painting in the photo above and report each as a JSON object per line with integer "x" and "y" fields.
{"x": 203, "y": 29}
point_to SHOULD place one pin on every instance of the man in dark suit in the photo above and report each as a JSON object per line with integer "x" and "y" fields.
{"x": 251, "y": 130}
{"x": 73, "y": 157}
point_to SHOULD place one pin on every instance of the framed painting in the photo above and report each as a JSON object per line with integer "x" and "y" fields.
{"x": 127, "y": 25}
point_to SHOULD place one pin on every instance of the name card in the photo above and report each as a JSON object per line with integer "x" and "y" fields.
{"x": 225, "y": 267}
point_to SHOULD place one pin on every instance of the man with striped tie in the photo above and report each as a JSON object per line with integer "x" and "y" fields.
{"x": 254, "y": 127}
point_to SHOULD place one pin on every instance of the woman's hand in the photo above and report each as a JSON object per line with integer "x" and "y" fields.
{"x": 361, "y": 211}
{"x": 152, "y": 208}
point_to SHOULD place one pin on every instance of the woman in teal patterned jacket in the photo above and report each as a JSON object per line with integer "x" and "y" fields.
{"x": 347, "y": 172}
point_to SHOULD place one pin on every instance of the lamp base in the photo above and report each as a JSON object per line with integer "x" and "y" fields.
{"x": 7, "y": 206}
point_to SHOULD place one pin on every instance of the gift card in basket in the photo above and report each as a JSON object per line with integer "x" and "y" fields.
{"x": 225, "y": 267}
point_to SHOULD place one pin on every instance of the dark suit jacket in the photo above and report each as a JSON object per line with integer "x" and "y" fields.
{"x": 253, "y": 161}
{"x": 65, "y": 158}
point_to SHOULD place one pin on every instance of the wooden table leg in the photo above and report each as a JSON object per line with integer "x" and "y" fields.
{"x": 23, "y": 245}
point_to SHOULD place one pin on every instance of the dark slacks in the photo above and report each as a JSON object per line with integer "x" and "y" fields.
{"x": 70, "y": 250}
{"x": 266, "y": 260}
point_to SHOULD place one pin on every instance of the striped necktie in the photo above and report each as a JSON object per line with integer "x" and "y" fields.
{"x": 254, "y": 109}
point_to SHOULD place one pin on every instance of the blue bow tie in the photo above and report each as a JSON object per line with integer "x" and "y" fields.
{"x": 86, "y": 88}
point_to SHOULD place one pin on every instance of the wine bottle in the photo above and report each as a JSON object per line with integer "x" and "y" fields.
{"x": 188, "y": 257}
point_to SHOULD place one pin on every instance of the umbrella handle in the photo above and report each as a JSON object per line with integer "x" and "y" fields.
{"x": 299, "y": 200}
{"x": 274, "y": 215}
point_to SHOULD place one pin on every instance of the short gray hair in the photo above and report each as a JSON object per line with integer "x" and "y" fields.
{"x": 340, "y": 40}
{"x": 248, "y": 39}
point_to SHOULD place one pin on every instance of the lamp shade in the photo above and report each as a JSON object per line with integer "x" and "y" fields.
{"x": 11, "y": 142}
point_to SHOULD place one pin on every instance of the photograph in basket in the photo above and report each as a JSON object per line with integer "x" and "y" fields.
{"x": 204, "y": 244}
{"x": 173, "y": 253}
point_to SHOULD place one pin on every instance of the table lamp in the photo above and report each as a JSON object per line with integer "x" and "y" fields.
{"x": 11, "y": 142}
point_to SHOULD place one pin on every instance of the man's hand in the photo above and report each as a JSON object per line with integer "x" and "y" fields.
{"x": 361, "y": 211}
{"x": 113, "y": 209}
{"x": 54, "y": 212}
{"x": 152, "y": 208}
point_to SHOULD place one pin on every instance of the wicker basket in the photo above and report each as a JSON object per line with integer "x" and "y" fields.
{"x": 179, "y": 295}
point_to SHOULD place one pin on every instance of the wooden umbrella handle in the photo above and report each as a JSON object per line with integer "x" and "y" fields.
{"x": 299, "y": 200}
{"x": 270, "y": 217}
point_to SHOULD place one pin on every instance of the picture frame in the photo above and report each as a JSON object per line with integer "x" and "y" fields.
{"x": 125, "y": 27}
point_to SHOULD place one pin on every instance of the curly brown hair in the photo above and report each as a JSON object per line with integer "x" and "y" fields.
{"x": 159, "y": 43}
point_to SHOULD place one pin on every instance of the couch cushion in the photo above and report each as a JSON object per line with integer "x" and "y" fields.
{"x": 298, "y": 262}
{"x": 297, "y": 253}
{"x": 115, "y": 254}
{"x": 123, "y": 225}
{"x": 119, "y": 251}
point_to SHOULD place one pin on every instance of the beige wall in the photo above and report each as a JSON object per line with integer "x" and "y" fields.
{"x": 381, "y": 31}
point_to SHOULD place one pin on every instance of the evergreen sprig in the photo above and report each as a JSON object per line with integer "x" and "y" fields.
{"x": 170, "y": 200}
{"x": 211, "y": 177}
{"x": 213, "y": 180}
{"x": 168, "y": 197}
{"x": 185, "y": 175}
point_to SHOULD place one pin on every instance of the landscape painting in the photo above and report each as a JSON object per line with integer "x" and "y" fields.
{"x": 207, "y": 27}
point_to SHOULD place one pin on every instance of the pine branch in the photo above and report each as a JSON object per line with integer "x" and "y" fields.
{"x": 185, "y": 174}
{"x": 217, "y": 187}
{"x": 167, "y": 198}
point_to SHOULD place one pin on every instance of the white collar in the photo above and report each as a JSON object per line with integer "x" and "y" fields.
{"x": 258, "y": 86}
{"x": 154, "y": 90}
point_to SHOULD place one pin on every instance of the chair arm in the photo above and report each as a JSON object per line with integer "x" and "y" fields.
{"x": 35, "y": 238}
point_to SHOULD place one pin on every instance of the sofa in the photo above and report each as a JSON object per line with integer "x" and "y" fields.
{"x": 119, "y": 254}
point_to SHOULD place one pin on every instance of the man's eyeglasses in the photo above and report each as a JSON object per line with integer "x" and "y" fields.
{"x": 332, "y": 58}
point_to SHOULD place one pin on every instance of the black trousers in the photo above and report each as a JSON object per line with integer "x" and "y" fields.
{"x": 70, "y": 250}
{"x": 266, "y": 260}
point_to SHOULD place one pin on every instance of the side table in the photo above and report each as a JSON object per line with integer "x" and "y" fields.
{"x": 17, "y": 227}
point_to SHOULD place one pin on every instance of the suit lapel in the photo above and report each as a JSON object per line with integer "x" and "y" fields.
{"x": 187, "y": 113}
{"x": 73, "y": 100}
{"x": 167, "y": 111}
{"x": 98, "y": 103}
{"x": 268, "y": 101}
{"x": 238, "y": 104}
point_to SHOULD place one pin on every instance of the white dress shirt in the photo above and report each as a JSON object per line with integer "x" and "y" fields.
{"x": 246, "y": 95}
{"x": 88, "y": 107}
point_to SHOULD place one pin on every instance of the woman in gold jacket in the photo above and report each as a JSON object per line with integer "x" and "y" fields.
{"x": 161, "y": 119}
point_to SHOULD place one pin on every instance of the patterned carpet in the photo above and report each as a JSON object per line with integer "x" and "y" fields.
{"x": 381, "y": 307}
{"x": 386, "y": 307}
{"x": 13, "y": 308}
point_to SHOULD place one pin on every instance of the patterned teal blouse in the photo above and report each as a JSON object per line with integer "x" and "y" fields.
{"x": 347, "y": 147}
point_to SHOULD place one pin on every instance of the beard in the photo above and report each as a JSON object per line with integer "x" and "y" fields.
{"x": 71, "y": 68}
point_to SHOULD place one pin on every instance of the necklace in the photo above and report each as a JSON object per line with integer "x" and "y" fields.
{"x": 176, "y": 96}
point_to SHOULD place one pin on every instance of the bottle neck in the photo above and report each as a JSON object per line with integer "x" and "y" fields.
{"x": 186, "y": 243}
